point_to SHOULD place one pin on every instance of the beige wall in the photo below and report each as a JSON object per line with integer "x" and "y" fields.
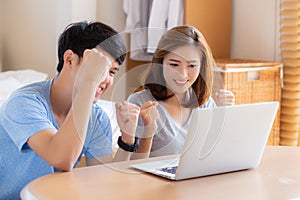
{"x": 32, "y": 28}
{"x": 30, "y": 36}
{"x": 83, "y": 10}
{"x": 111, "y": 12}
{"x": 255, "y": 29}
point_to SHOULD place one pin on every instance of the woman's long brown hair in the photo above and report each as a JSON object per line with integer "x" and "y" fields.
{"x": 174, "y": 38}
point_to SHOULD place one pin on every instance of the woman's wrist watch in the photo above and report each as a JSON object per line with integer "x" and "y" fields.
{"x": 129, "y": 147}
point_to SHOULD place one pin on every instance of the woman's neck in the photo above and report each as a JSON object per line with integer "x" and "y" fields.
{"x": 178, "y": 113}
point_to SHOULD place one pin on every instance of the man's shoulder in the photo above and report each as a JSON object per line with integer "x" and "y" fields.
{"x": 37, "y": 88}
{"x": 30, "y": 96}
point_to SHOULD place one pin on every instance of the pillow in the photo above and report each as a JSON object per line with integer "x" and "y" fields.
{"x": 12, "y": 80}
{"x": 110, "y": 109}
{"x": 7, "y": 86}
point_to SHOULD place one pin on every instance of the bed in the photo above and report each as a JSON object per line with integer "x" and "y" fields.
{"x": 12, "y": 80}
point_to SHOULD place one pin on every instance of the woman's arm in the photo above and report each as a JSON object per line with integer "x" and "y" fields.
{"x": 127, "y": 116}
{"x": 149, "y": 115}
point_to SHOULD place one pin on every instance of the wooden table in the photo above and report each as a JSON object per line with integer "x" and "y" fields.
{"x": 277, "y": 177}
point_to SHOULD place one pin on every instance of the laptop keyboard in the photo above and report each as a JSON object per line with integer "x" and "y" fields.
{"x": 171, "y": 170}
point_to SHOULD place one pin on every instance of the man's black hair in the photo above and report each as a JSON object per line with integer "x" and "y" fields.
{"x": 83, "y": 35}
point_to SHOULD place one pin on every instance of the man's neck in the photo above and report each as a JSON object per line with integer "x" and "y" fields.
{"x": 61, "y": 96}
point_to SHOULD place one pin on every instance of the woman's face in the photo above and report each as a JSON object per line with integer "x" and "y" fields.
{"x": 181, "y": 68}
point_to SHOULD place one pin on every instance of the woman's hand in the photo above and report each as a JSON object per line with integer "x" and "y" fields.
{"x": 224, "y": 98}
{"x": 149, "y": 115}
{"x": 149, "y": 112}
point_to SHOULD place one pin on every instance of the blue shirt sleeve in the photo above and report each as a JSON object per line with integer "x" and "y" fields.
{"x": 24, "y": 116}
{"x": 99, "y": 136}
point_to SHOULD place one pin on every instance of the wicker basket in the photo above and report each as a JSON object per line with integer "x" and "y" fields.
{"x": 252, "y": 81}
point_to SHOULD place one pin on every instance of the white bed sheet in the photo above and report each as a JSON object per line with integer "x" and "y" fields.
{"x": 109, "y": 108}
{"x": 12, "y": 80}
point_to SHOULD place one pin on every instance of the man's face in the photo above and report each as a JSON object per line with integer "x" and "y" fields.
{"x": 108, "y": 81}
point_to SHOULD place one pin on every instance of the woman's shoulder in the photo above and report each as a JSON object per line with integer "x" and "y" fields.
{"x": 144, "y": 92}
{"x": 210, "y": 103}
{"x": 141, "y": 97}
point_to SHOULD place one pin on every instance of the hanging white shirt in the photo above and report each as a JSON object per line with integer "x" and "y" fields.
{"x": 136, "y": 24}
{"x": 164, "y": 15}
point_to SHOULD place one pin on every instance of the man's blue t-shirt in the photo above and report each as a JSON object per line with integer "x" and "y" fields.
{"x": 26, "y": 112}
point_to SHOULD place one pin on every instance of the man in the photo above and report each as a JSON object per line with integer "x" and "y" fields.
{"x": 47, "y": 126}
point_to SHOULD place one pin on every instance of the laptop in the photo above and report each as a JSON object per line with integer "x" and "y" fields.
{"x": 219, "y": 140}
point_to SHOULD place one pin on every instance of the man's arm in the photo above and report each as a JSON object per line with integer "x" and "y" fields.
{"x": 127, "y": 117}
{"x": 149, "y": 115}
{"x": 62, "y": 148}
{"x": 120, "y": 155}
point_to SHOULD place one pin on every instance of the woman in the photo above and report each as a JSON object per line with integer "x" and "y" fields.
{"x": 180, "y": 80}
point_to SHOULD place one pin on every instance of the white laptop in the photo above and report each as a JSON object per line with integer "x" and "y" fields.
{"x": 219, "y": 140}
